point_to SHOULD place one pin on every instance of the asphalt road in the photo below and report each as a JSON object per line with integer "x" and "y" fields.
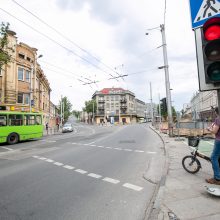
{"x": 95, "y": 172}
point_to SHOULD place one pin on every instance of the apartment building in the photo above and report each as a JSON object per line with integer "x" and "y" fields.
{"x": 23, "y": 84}
{"x": 117, "y": 105}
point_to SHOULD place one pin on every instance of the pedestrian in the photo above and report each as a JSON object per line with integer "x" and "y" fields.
{"x": 214, "y": 129}
{"x": 47, "y": 126}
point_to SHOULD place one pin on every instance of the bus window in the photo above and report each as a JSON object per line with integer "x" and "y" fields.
{"x": 15, "y": 120}
{"x": 29, "y": 119}
{"x": 3, "y": 120}
{"x": 38, "y": 120}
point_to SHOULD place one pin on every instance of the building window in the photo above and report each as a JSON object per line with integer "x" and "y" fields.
{"x": 20, "y": 98}
{"x": 0, "y": 71}
{"x": 26, "y": 98}
{"x": 28, "y": 59}
{"x": 20, "y": 55}
{"x": 27, "y": 76}
{"x": 20, "y": 74}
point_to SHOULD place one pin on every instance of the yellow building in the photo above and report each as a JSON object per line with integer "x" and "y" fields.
{"x": 23, "y": 84}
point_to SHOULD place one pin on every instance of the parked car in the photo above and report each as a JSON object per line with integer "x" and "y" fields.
{"x": 67, "y": 128}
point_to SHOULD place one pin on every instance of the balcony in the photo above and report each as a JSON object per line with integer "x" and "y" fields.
{"x": 101, "y": 101}
{"x": 101, "y": 108}
{"x": 123, "y": 100}
{"x": 124, "y": 107}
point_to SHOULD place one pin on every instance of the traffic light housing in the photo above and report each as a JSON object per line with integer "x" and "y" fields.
{"x": 163, "y": 105}
{"x": 208, "y": 54}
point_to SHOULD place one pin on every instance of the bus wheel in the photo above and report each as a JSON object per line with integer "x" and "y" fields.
{"x": 12, "y": 138}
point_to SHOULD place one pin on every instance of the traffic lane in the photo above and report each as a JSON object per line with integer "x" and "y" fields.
{"x": 44, "y": 191}
{"x": 133, "y": 137}
{"x": 51, "y": 140}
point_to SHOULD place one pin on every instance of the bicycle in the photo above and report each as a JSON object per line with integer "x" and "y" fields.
{"x": 191, "y": 163}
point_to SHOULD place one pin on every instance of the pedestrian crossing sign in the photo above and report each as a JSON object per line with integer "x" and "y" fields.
{"x": 202, "y": 10}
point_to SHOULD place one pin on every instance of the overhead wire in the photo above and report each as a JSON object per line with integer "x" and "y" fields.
{"x": 56, "y": 42}
{"x": 62, "y": 35}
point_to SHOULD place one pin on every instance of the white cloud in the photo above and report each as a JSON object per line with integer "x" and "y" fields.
{"x": 114, "y": 32}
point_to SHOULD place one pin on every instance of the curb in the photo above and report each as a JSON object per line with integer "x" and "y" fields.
{"x": 154, "y": 207}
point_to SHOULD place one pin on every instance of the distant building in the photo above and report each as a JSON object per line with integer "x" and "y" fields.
{"x": 200, "y": 105}
{"x": 23, "y": 84}
{"x": 117, "y": 105}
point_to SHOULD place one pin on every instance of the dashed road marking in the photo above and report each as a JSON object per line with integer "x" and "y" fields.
{"x": 68, "y": 167}
{"x": 114, "y": 148}
{"x": 49, "y": 160}
{"x": 81, "y": 171}
{"x": 151, "y": 152}
{"x": 110, "y": 180}
{"x": 43, "y": 158}
{"x": 94, "y": 175}
{"x": 58, "y": 164}
{"x": 7, "y": 148}
{"x": 131, "y": 186}
{"x": 139, "y": 151}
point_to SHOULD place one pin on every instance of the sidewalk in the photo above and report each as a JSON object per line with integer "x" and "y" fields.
{"x": 183, "y": 195}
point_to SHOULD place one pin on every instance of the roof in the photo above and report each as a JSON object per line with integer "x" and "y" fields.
{"x": 111, "y": 90}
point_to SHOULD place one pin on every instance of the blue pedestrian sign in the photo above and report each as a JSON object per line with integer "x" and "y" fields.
{"x": 202, "y": 10}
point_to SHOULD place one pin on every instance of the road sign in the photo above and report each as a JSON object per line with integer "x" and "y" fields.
{"x": 201, "y": 10}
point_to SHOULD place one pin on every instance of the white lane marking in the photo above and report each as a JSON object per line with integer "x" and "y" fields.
{"x": 110, "y": 180}
{"x": 81, "y": 171}
{"x": 109, "y": 147}
{"x": 151, "y": 152}
{"x": 74, "y": 143}
{"x": 92, "y": 142}
{"x": 49, "y": 160}
{"x": 51, "y": 141}
{"x": 100, "y": 146}
{"x": 127, "y": 149}
{"x": 117, "y": 148}
{"x": 106, "y": 179}
{"x": 92, "y": 145}
{"x": 68, "y": 167}
{"x": 86, "y": 144}
{"x": 94, "y": 175}
{"x": 58, "y": 164}
{"x": 42, "y": 158}
{"x": 139, "y": 151}
{"x": 131, "y": 186}
{"x": 7, "y": 148}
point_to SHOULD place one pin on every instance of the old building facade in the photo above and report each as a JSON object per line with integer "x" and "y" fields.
{"x": 23, "y": 84}
{"x": 117, "y": 105}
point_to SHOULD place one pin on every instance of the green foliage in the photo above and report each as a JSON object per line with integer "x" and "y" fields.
{"x": 76, "y": 113}
{"x": 4, "y": 54}
{"x": 89, "y": 106}
{"x": 67, "y": 108}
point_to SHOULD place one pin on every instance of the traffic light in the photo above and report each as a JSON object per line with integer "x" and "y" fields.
{"x": 208, "y": 54}
{"x": 163, "y": 105}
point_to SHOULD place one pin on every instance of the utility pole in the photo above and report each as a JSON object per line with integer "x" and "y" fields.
{"x": 61, "y": 109}
{"x": 167, "y": 82}
{"x": 151, "y": 106}
{"x": 159, "y": 113}
{"x": 93, "y": 112}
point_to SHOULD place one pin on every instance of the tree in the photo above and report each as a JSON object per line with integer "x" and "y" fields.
{"x": 89, "y": 106}
{"x": 5, "y": 57}
{"x": 76, "y": 113}
{"x": 67, "y": 106}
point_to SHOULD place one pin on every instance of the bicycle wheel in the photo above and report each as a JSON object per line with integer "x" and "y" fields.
{"x": 191, "y": 164}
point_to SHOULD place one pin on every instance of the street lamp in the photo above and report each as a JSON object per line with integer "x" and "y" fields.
{"x": 167, "y": 82}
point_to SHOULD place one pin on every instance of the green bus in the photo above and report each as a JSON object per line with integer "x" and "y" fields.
{"x": 19, "y": 126}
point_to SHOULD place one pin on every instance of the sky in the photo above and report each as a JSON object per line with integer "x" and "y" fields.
{"x": 95, "y": 40}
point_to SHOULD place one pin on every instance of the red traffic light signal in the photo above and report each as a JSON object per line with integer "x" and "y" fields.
{"x": 211, "y": 50}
